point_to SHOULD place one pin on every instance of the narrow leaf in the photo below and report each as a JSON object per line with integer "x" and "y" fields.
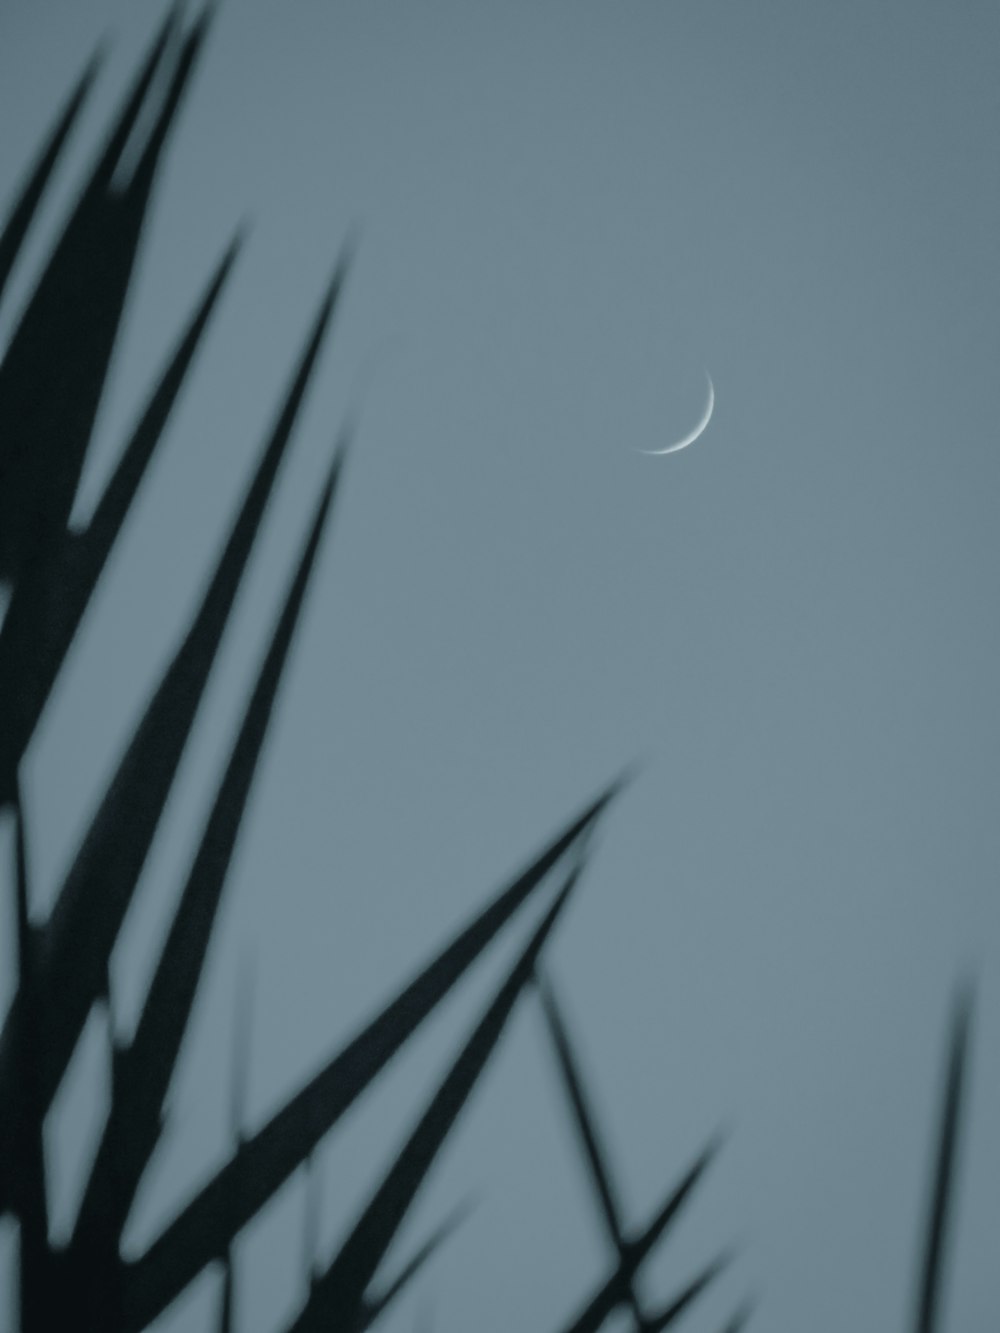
{"x": 28, "y": 1162}
{"x": 81, "y": 932}
{"x": 22, "y": 214}
{"x": 226, "y": 1301}
{"x": 132, "y": 1129}
{"x": 615, "y": 1290}
{"x": 337, "y": 1297}
{"x": 690, "y": 1293}
{"x": 53, "y": 374}
{"x": 237, "y": 1116}
{"x": 582, "y": 1114}
{"x": 49, "y": 602}
{"x": 375, "y": 1306}
{"x": 943, "y": 1186}
{"x": 740, "y": 1319}
{"x": 132, "y": 106}
{"x": 243, "y": 1185}
{"x": 587, "y": 1130}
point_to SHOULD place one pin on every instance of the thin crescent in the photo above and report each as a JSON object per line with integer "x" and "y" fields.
{"x": 699, "y": 429}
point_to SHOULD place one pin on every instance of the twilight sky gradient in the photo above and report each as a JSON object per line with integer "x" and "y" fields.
{"x": 567, "y": 213}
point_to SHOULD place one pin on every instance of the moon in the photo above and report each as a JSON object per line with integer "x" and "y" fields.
{"x": 699, "y": 429}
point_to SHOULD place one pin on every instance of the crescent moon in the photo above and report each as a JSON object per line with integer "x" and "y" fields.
{"x": 699, "y": 429}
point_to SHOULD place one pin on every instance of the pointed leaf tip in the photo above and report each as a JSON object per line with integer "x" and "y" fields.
{"x": 125, "y": 124}
{"x": 275, "y": 1150}
{"x": 676, "y": 1199}
{"x": 376, "y": 1305}
{"x": 341, "y": 1288}
{"x": 614, "y": 789}
{"x": 690, "y": 1293}
{"x": 742, "y": 1317}
{"x": 942, "y": 1190}
{"x": 18, "y": 223}
{"x": 341, "y": 270}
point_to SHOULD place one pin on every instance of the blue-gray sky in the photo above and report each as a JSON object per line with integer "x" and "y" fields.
{"x": 567, "y": 213}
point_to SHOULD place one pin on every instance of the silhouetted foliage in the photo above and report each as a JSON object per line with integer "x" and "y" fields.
{"x": 52, "y": 378}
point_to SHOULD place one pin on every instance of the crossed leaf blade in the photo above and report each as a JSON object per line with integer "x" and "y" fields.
{"x": 207, "y": 1225}
{"x": 145, "y": 1069}
{"x": 338, "y": 1296}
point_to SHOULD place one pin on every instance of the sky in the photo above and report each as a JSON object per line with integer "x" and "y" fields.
{"x": 566, "y": 215}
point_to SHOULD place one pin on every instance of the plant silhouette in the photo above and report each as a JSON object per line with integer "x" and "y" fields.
{"x": 52, "y": 378}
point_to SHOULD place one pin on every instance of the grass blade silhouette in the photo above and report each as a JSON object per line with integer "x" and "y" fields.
{"x": 311, "y": 1220}
{"x": 237, "y": 1116}
{"x": 690, "y": 1293}
{"x": 583, "y": 1118}
{"x": 740, "y": 1319}
{"x": 49, "y": 602}
{"x": 124, "y": 127}
{"x": 53, "y": 374}
{"x": 943, "y": 1185}
{"x": 614, "y": 1292}
{"x": 28, "y": 1164}
{"x": 583, "y": 1115}
{"x": 52, "y": 379}
{"x": 337, "y": 1297}
{"x": 203, "y": 1229}
{"x": 76, "y": 942}
{"x": 373, "y": 1307}
{"x": 135, "y": 1120}
{"x": 23, "y": 212}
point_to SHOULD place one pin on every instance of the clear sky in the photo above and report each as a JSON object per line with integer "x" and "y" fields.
{"x": 567, "y": 213}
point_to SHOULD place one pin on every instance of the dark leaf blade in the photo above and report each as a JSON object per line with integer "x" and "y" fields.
{"x": 740, "y": 1319}
{"x": 131, "y": 108}
{"x": 50, "y": 601}
{"x": 81, "y": 932}
{"x": 240, "y": 1074}
{"x": 110, "y": 512}
{"x": 53, "y": 375}
{"x": 27, "y": 1177}
{"x": 226, "y": 1301}
{"x": 583, "y": 1115}
{"x": 237, "y": 1112}
{"x": 616, "y": 1290}
{"x": 338, "y": 1295}
{"x": 667, "y": 1214}
{"x": 26, "y": 206}
{"x": 203, "y": 1229}
{"x": 690, "y": 1294}
{"x": 377, "y": 1305}
{"x": 943, "y": 1184}
{"x": 595, "y": 1156}
{"x": 133, "y": 1126}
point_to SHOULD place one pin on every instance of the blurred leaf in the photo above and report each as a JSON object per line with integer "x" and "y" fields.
{"x": 615, "y": 1291}
{"x": 740, "y": 1319}
{"x": 583, "y": 1116}
{"x": 22, "y": 214}
{"x": 76, "y": 943}
{"x": 49, "y": 602}
{"x": 943, "y": 1185}
{"x": 146, "y": 1068}
{"x": 53, "y": 374}
{"x": 595, "y": 1155}
{"x": 375, "y": 1306}
{"x": 690, "y": 1293}
{"x": 206, "y": 1226}
{"x": 337, "y": 1297}
{"x": 27, "y": 1176}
